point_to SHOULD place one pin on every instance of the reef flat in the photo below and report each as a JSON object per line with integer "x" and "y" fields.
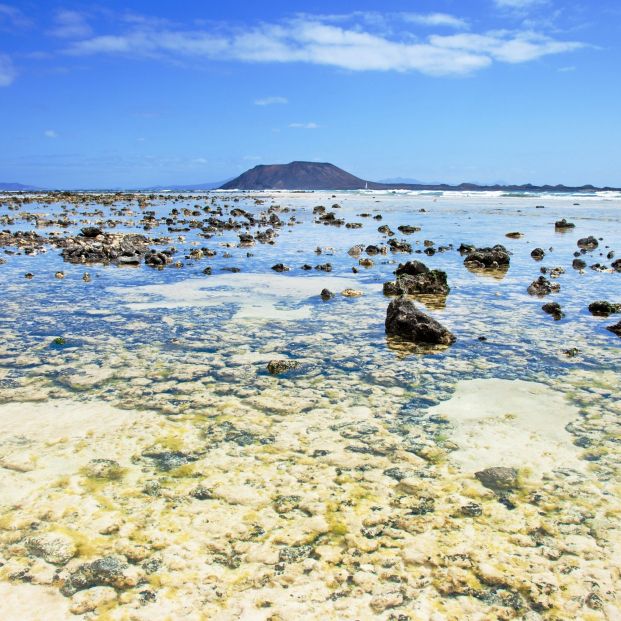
{"x": 207, "y": 413}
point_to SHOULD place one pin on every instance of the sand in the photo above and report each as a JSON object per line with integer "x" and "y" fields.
{"x": 510, "y": 423}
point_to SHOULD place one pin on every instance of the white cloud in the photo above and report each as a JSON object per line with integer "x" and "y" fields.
{"x": 518, "y": 48}
{"x": 50, "y": 133}
{"x": 304, "y": 125}
{"x": 7, "y": 70}
{"x": 313, "y": 41}
{"x": 270, "y": 101}
{"x": 435, "y": 19}
{"x": 13, "y": 17}
{"x": 71, "y": 25}
{"x": 517, "y": 4}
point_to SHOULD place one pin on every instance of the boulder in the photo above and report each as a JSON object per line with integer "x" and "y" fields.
{"x": 554, "y": 309}
{"x": 563, "y": 224}
{"x": 588, "y": 243}
{"x": 487, "y": 258}
{"x": 537, "y": 254}
{"x": 405, "y": 320}
{"x": 601, "y": 308}
{"x": 542, "y": 286}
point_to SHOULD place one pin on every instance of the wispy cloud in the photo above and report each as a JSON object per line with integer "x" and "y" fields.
{"x": 270, "y": 101}
{"x": 304, "y": 125}
{"x": 355, "y": 46}
{"x": 12, "y": 17}
{"x": 435, "y": 19}
{"x": 518, "y": 4}
{"x": 71, "y": 25}
{"x": 50, "y": 133}
{"x": 7, "y": 70}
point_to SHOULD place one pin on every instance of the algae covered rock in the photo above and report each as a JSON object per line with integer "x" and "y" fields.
{"x": 498, "y": 478}
{"x": 52, "y": 547}
{"x": 275, "y": 367}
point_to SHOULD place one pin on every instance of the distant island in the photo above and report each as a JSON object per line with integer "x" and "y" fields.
{"x": 326, "y": 176}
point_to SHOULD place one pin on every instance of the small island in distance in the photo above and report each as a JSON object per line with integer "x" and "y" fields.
{"x": 325, "y": 176}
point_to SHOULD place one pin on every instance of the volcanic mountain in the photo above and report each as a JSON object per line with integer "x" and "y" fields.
{"x": 298, "y": 176}
{"x": 324, "y": 176}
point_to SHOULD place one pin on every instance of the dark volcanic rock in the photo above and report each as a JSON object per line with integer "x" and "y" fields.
{"x": 601, "y": 308}
{"x": 326, "y": 294}
{"x": 91, "y": 231}
{"x": 563, "y": 224}
{"x": 616, "y": 265}
{"x": 487, "y": 258}
{"x": 275, "y": 367}
{"x": 112, "y": 571}
{"x": 542, "y": 286}
{"x": 498, "y": 478}
{"x": 405, "y": 320}
{"x": 279, "y": 267}
{"x": 554, "y": 309}
{"x": 414, "y": 277}
{"x": 588, "y": 243}
{"x": 537, "y": 254}
{"x": 578, "y": 264}
{"x": 615, "y": 328}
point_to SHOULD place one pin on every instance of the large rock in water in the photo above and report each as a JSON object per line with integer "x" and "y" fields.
{"x": 487, "y": 258}
{"x": 405, "y": 320}
{"x": 414, "y": 277}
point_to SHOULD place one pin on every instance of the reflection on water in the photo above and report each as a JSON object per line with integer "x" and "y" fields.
{"x": 344, "y": 489}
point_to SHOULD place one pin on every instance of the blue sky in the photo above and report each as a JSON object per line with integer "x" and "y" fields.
{"x": 138, "y": 93}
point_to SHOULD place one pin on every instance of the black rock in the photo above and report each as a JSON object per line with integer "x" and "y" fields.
{"x": 279, "y": 267}
{"x": 615, "y": 328}
{"x": 578, "y": 264}
{"x": 601, "y": 308}
{"x": 487, "y": 258}
{"x": 563, "y": 224}
{"x": 588, "y": 243}
{"x": 326, "y": 294}
{"x": 405, "y": 320}
{"x": 537, "y": 254}
{"x": 91, "y": 231}
{"x": 554, "y": 309}
{"x": 542, "y": 286}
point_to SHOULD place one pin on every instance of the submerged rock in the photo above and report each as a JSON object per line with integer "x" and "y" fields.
{"x": 275, "y": 367}
{"x": 52, "y": 547}
{"x": 112, "y": 571}
{"x": 498, "y": 478}
{"x": 405, "y": 320}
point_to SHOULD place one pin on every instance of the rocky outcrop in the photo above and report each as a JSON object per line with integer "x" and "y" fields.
{"x": 542, "y": 286}
{"x": 602, "y": 308}
{"x": 414, "y": 277}
{"x": 486, "y": 258}
{"x": 405, "y": 320}
{"x": 117, "y": 248}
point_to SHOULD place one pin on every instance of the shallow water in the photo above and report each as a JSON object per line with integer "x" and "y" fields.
{"x": 335, "y": 490}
